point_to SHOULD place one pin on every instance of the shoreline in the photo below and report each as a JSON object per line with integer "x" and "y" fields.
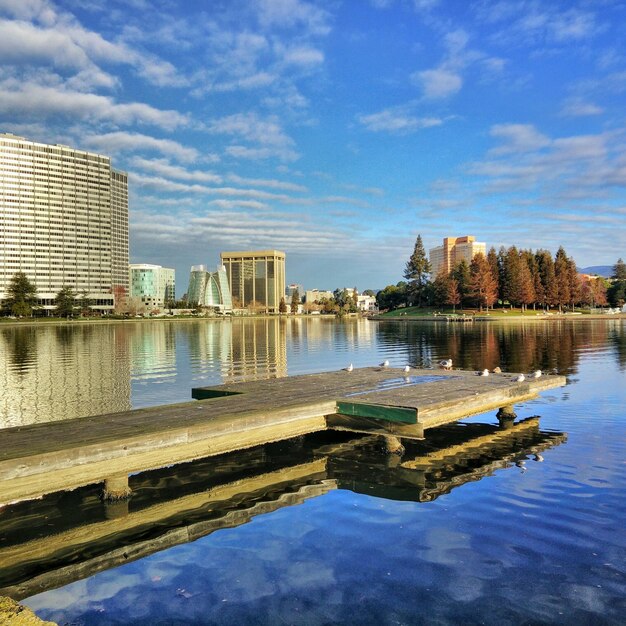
{"x": 560, "y": 317}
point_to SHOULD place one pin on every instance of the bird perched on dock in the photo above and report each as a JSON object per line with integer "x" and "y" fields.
{"x": 407, "y": 369}
{"x": 536, "y": 374}
{"x": 520, "y": 379}
{"x": 446, "y": 364}
{"x": 496, "y": 370}
{"x": 349, "y": 368}
{"x": 483, "y": 373}
{"x": 385, "y": 363}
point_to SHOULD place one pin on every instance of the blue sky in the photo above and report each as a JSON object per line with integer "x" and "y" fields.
{"x": 335, "y": 131}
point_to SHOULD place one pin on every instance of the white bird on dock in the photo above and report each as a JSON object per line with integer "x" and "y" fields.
{"x": 483, "y": 373}
{"x": 407, "y": 369}
{"x": 520, "y": 379}
{"x": 446, "y": 364}
{"x": 536, "y": 374}
{"x": 349, "y": 368}
{"x": 385, "y": 363}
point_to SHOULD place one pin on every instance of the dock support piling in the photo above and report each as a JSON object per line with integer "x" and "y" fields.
{"x": 116, "y": 488}
{"x": 393, "y": 445}
{"x": 506, "y": 416}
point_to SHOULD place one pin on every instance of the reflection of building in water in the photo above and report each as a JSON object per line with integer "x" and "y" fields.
{"x": 152, "y": 349}
{"x": 258, "y": 349}
{"x": 63, "y": 537}
{"x": 61, "y": 372}
{"x": 210, "y": 344}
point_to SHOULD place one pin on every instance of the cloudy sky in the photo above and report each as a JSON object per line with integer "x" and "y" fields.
{"x": 335, "y": 130}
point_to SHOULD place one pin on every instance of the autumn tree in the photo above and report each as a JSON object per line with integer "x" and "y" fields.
{"x": 417, "y": 273}
{"x": 453, "y": 296}
{"x": 549, "y": 291}
{"x": 21, "y": 296}
{"x": 282, "y": 306}
{"x": 492, "y": 259}
{"x": 562, "y": 275}
{"x": 440, "y": 288}
{"x": 461, "y": 273}
{"x": 482, "y": 287}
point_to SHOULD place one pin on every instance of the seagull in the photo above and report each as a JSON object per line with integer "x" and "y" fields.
{"x": 385, "y": 363}
{"x": 536, "y": 374}
{"x": 483, "y": 373}
{"x": 496, "y": 370}
{"x": 407, "y": 369}
{"x": 520, "y": 379}
{"x": 349, "y": 368}
{"x": 446, "y": 364}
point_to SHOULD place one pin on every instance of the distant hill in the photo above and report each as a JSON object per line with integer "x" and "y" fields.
{"x": 602, "y": 270}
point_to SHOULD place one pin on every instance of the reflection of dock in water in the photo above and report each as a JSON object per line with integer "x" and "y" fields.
{"x": 64, "y": 537}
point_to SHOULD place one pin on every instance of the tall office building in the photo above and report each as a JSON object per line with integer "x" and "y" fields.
{"x": 453, "y": 251}
{"x": 256, "y": 277}
{"x": 63, "y": 221}
{"x": 152, "y": 285}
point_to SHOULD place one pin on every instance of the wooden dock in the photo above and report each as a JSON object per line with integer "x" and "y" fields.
{"x": 40, "y": 459}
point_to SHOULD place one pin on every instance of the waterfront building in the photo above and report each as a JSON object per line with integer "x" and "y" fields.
{"x": 366, "y": 304}
{"x": 256, "y": 278}
{"x": 63, "y": 222}
{"x": 209, "y": 289}
{"x": 453, "y": 251}
{"x": 152, "y": 285}
{"x": 315, "y": 295}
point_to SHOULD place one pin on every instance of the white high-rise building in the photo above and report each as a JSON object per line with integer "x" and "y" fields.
{"x": 63, "y": 221}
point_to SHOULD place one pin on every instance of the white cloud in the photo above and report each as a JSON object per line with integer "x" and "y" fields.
{"x": 302, "y": 56}
{"x": 292, "y": 13}
{"x": 579, "y": 108}
{"x": 438, "y": 83}
{"x": 162, "y": 167}
{"x": 117, "y": 142}
{"x": 397, "y": 120}
{"x": 518, "y": 138}
{"x": 42, "y": 101}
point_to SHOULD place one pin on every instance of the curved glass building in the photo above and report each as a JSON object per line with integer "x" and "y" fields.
{"x": 209, "y": 289}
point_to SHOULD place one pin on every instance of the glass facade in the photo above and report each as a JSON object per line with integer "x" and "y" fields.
{"x": 256, "y": 278}
{"x": 209, "y": 289}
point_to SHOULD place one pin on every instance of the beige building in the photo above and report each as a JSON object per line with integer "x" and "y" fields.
{"x": 63, "y": 221}
{"x": 256, "y": 276}
{"x": 315, "y": 295}
{"x": 453, "y": 251}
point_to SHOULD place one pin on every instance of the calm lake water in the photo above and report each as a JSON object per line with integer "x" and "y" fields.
{"x": 478, "y": 524}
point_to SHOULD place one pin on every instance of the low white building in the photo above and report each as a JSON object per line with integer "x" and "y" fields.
{"x": 367, "y": 304}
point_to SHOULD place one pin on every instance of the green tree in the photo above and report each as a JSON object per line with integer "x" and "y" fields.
{"x": 417, "y": 273}
{"x": 295, "y": 300}
{"x": 440, "y": 288}
{"x": 282, "y": 307}
{"x": 21, "y": 296}
{"x": 65, "y": 302}
{"x": 619, "y": 270}
{"x": 392, "y": 296}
